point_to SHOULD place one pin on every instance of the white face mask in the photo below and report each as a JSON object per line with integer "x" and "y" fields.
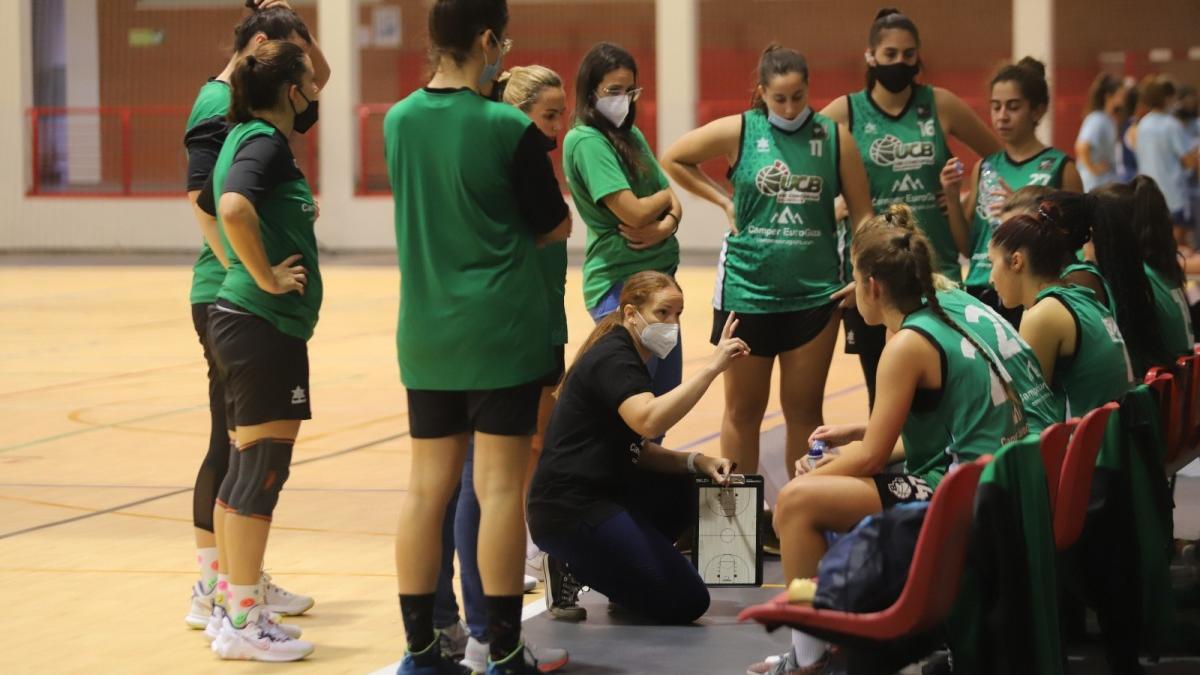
{"x": 614, "y": 108}
{"x": 784, "y": 124}
{"x": 659, "y": 338}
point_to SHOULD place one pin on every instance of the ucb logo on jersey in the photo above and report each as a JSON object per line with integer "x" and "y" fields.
{"x": 776, "y": 180}
{"x": 908, "y": 184}
{"x": 890, "y": 151}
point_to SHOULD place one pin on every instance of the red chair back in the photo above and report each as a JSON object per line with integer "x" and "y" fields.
{"x": 1054, "y": 449}
{"x": 1189, "y": 368}
{"x": 1075, "y": 481}
{"x": 1170, "y": 402}
{"x": 933, "y": 578}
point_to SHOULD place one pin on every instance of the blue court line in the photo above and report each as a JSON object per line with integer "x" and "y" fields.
{"x": 178, "y": 491}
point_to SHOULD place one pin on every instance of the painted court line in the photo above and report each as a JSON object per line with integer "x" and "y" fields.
{"x": 172, "y": 493}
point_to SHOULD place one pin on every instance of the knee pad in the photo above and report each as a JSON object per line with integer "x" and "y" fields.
{"x": 225, "y": 490}
{"x": 262, "y": 471}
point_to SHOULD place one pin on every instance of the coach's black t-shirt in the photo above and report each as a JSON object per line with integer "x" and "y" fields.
{"x": 589, "y": 452}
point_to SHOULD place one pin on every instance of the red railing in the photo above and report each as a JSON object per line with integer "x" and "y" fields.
{"x": 134, "y": 151}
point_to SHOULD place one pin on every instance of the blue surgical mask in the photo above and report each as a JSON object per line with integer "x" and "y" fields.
{"x": 791, "y": 125}
{"x": 490, "y": 70}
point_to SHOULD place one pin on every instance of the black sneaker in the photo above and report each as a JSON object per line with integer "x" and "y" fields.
{"x": 562, "y": 592}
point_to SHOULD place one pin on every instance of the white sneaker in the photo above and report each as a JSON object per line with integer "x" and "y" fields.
{"x": 259, "y": 640}
{"x": 534, "y": 565}
{"x": 282, "y": 601}
{"x": 530, "y": 583}
{"x": 476, "y": 656}
{"x": 213, "y": 629}
{"x": 549, "y": 659}
{"x": 201, "y": 609}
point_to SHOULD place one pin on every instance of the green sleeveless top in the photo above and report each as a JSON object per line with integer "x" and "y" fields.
{"x": 1100, "y": 370}
{"x": 904, "y": 156}
{"x": 1015, "y": 355}
{"x": 1083, "y": 265}
{"x": 784, "y": 257}
{"x": 1173, "y": 314}
{"x": 286, "y": 218}
{"x": 968, "y": 417}
{"x": 1044, "y": 168}
{"x": 207, "y": 272}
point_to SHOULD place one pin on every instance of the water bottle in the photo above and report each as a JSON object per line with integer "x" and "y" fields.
{"x": 989, "y": 182}
{"x": 815, "y": 453}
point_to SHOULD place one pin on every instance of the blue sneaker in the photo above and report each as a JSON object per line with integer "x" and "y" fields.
{"x": 520, "y": 662}
{"x": 430, "y": 661}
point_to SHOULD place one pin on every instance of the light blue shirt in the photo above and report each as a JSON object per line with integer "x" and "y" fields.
{"x": 1161, "y": 142}
{"x": 1100, "y": 133}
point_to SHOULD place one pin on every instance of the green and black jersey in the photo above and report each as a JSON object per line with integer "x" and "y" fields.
{"x": 904, "y": 155}
{"x": 257, "y": 163}
{"x": 473, "y": 188}
{"x": 206, "y": 132}
{"x": 785, "y": 255}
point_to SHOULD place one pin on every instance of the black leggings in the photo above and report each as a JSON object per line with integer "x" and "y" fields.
{"x": 630, "y": 556}
{"x": 867, "y": 342}
{"x": 216, "y": 459}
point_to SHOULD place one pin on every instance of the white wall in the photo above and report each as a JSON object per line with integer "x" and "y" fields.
{"x": 347, "y": 222}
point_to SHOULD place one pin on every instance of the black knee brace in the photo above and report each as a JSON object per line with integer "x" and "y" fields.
{"x": 262, "y": 471}
{"x": 231, "y": 474}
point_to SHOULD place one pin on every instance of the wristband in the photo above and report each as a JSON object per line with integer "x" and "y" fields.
{"x": 691, "y": 462}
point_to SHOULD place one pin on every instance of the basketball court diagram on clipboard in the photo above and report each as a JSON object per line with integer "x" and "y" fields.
{"x": 727, "y": 551}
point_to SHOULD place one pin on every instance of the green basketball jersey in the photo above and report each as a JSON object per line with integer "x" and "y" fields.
{"x": 1081, "y": 264}
{"x": 1100, "y": 370}
{"x": 1173, "y": 314}
{"x": 474, "y": 312}
{"x": 553, "y": 258}
{"x": 1044, "y": 168}
{"x": 207, "y": 272}
{"x": 784, "y": 257}
{"x": 1015, "y": 355}
{"x": 972, "y": 415}
{"x": 286, "y": 218}
{"x": 904, "y": 156}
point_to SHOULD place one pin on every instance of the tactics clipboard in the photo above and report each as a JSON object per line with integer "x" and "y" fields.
{"x": 726, "y": 549}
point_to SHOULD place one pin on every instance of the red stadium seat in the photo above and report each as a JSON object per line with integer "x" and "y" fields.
{"x": 1170, "y": 404}
{"x": 1189, "y": 369}
{"x": 1075, "y": 481}
{"x": 933, "y": 579}
{"x": 1054, "y": 441}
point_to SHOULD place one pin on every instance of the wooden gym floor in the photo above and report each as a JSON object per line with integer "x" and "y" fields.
{"x": 104, "y": 420}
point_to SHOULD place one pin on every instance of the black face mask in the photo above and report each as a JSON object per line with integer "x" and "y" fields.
{"x": 895, "y": 77}
{"x": 303, "y": 121}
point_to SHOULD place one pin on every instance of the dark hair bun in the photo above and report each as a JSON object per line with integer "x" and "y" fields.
{"x": 1034, "y": 65}
{"x": 252, "y": 5}
{"x": 886, "y": 12}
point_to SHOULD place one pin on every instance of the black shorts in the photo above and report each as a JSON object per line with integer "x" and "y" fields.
{"x": 862, "y": 338}
{"x": 555, "y": 376}
{"x": 988, "y": 296}
{"x": 511, "y": 411}
{"x": 772, "y": 334}
{"x": 265, "y": 371}
{"x": 218, "y": 405}
{"x": 901, "y": 488}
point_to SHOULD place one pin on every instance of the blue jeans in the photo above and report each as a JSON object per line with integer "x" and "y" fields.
{"x": 665, "y": 374}
{"x": 460, "y": 530}
{"x": 630, "y": 557}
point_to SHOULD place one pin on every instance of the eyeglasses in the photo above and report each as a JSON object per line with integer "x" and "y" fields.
{"x": 633, "y": 94}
